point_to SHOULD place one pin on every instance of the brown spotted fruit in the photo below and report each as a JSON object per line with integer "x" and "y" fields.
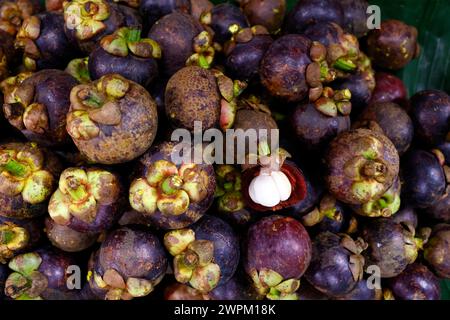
{"x": 277, "y": 253}
{"x": 437, "y": 250}
{"x": 267, "y": 13}
{"x": 362, "y": 165}
{"x": 28, "y": 176}
{"x": 394, "y": 45}
{"x": 112, "y": 120}
{"x": 87, "y": 200}
{"x": 129, "y": 264}
{"x": 37, "y": 104}
{"x": 172, "y": 194}
{"x": 206, "y": 254}
{"x": 195, "y": 94}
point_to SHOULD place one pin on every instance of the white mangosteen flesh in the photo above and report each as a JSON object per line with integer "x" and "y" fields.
{"x": 269, "y": 189}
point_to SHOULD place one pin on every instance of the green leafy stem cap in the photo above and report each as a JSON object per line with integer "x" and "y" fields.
{"x": 193, "y": 261}
{"x": 128, "y": 40}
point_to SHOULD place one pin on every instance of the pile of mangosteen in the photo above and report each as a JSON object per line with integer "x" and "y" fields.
{"x": 351, "y": 202}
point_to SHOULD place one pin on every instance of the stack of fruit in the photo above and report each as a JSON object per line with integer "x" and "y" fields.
{"x": 352, "y": 203}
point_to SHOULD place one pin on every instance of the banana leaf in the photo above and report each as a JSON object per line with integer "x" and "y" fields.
{"x": 432, "y": 69}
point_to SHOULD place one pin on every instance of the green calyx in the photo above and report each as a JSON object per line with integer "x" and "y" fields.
{"x": 171, "y": 184}
{"x": 12, "y": 238}
{"x": 78, "y": 68}
{"x": 204, "y": 51}
{"x": 386, "y": 206}
{"x": 118, "y": 289}
{"x": 334, "y": 102}
{"x": 345, "y": 65}
{"x": 193, "y": 261}
{"x": 272, "y": 285}
{"x": 228, "y": 189}
{"x": 86, "y": 17}
{"x": 126, "y": 40}
{"x": 26, "y": 282}
{"x": 16, "y": 168}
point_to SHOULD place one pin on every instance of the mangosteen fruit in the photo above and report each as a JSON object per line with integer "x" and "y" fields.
{"x": 391, "y": 246}
{"x": 18, "y": 236}
{"x": 437, "y": 249}
{"x": 423, "y": 177}
{"x": 40, "y": 275}
{"x": 153, "y": 10}
{"x": 225, "y": 19}
{"x": 206, "y": 255}
{"x": 44, "y": 42}
{"x": 245, "y": 51}
{"x": 14, "y": 12}
{"x": 112, "y": 120}
{"x": 194, "y": 94}
{"x": 87, "y": 21}
{"x": 37, "y": 105}
{"x": 172, "y": 194}
{"x": 309, "y": 12}
{"x": 430, "y": 111}
{"x": 362, "y": 166}
{"x": 315, "y": 129}
{"x": 267, "y": 13}
{"x": 277, "y": 253}
{"x": 337, "y": 264}
{"x": 415, "y": 283}
{"x": 272, "y": 183}
{"x": 392, "y": 120}
{"x": 7, "y": 53}
{"x": 68, "y": 239}
{"x": 389, "y": 88}
{"x": 28, "y": 176}
{"x": 125, "y": 53}
{"x": 129, "y": 264}
{"x": 87, "y": 200}
{"x": 294, "y": 68}
{"x": 394, "y": 45}
{"x": 182, "y": 39}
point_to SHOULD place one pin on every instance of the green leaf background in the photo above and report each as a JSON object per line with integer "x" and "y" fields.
{"x": 432, "y": 69}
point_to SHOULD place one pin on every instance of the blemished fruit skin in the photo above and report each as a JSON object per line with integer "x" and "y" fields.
{"x": 417, "y": 282}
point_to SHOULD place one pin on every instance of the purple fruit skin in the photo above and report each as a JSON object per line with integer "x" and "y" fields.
{"x": 175, "y": 33}
{"x": 54, "y": 266}
{"x": 386, "y": 246}
{"x": 315, "y": 130}
{"x": 140, "y": 70}
{"x": 309, "y": 12}
{"x": 243, "y": 62}
{"x": 393, "y": 120}
{"x": 423, "y": 179}
{"x": 222, "y": 17}
{"x": 280, "y": 244}
{"x": 56, "y": 50}
{"x": 430, "y": 111}
{"x": 329, "y": 271}
{"x": 226, "y": 244}
{"x": 283, "y": 67}
{"x": 416, "y": 283}
{"x": 133, "y": 253}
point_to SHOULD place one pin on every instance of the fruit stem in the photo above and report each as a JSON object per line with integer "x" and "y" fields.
{"x": 344, "y": 64}
{"x": 15, "y": 168}
{"x": 171, "y": 184}
{"x": 133, "y": 35}
{"x": 6, "y": 236}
